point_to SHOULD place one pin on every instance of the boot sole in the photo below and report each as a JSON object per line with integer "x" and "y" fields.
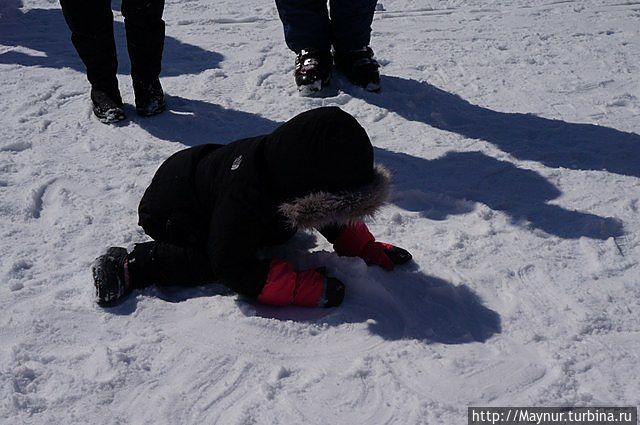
{"x": 104, "y": 295}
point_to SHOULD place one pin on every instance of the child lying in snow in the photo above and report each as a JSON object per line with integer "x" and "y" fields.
{"x": 210, "y": 208}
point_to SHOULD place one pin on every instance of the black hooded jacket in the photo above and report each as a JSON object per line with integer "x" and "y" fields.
{"x": 316, "y": 170}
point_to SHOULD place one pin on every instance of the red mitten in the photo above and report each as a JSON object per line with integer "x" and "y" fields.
{"x": 356, "y": 240}
{"x": 374, "y": 253}
{"x": 286, "y": 286}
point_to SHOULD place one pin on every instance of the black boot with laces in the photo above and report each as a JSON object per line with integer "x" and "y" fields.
{"x": 313, "y": 71}
{"x": 149, "y": 97}
{"x": 360, "y": 67}
{"x": 107, "y": 105}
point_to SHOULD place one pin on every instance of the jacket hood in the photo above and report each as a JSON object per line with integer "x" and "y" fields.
{"x": 319, "y": 209}
{"x": 321, "y": 150}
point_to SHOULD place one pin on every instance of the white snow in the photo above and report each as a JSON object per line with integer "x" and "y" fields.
{"x": 513, "y": 131}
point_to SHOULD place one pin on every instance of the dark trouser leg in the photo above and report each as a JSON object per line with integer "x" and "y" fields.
{"x": 164, "y": 264}
{"x": 351, "y": 23}
{"x": 145, "y": 37}
{"x": 306, "y": 24}
{"x": 91, "y": 25}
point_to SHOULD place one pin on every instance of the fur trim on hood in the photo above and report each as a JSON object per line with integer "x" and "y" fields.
{"x": 320, "y": 209}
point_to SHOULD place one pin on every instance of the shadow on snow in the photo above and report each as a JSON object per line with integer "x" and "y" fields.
{"x": 443, "y": 186}
{"x": 46, "y": 31}
{"x": 554, "y": 143}
{"x": 195, "y": 122}
{"x": 405, "y": 305}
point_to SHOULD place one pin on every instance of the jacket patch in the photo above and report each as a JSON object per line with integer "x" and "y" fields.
{"x": 236, "y": 163}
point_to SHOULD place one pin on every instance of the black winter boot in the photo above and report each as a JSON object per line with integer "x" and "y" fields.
{"x": 149, "y": 97}
{"x": 313, "y": 71}
{"x": 360, "y": 67}
{"x": 107, "y": 106}
{"x": 109, "y": 276}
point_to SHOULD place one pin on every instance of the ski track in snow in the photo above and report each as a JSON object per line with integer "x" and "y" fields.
{"x": 512, "y": 128}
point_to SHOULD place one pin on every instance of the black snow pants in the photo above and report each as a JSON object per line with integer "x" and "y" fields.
{"x": 164, "y": 263}
{"x": 91, "y": 24}
{"x": 179, "y": 228}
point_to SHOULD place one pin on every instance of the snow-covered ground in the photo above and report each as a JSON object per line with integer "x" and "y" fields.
{"x": 512, "y": 128}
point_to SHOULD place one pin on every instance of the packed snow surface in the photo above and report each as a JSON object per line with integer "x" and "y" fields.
{"x": 512, "y": 129}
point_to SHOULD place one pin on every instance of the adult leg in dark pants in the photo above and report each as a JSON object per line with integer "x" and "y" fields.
{"x": 310, "y": 30}
{"x": 91, "y": 24}
{"x": 351, "y": 35}
{"x": 351, "y": 24}
{"x": 145, "y": 42}
{"x": 307, "y": 32}
{"x": 145, "y": 37}
{"x": 306, "y": 24}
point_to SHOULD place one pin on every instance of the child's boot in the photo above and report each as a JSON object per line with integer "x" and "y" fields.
{"x": 110, "y": 276}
